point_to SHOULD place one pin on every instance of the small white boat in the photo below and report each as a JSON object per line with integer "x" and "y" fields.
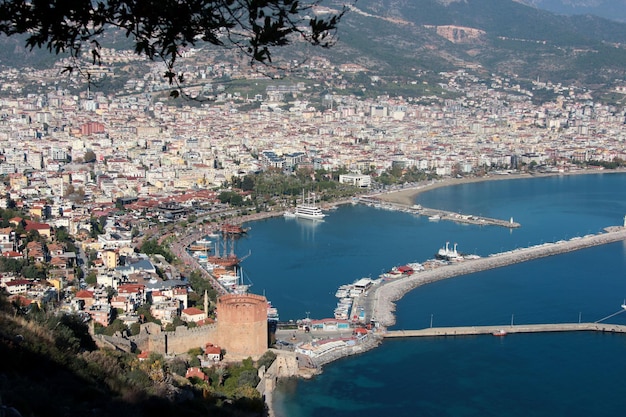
{"x": 289, "y": 215}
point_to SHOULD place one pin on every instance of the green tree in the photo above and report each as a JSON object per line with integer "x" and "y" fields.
{"x": 248, "y": 183}
{"x": 90, "y": 156}
{"x": 78, "y": 272}
{"x": 178, "y": 366}
{"x": 11, "y": 265}
{"x": 116, "y": 325}
{"x": 144, "y": 310}
{"x": 34, "y": 272}
{"x": 97, "y": 226}
{"x": 91, "y": 278}
{"x": 177, "y": 321}
{"x": 61, "y": 234}
{"x": 70, "y": 333}
{"x": 135, "y": 328}
{"x": 230, "y": 197}
{"x": 199, "y": 285}
{"x": 160, "y": 29}
{"x": 266, "y": 359}
{"x": 248, "y": 377}
{"x": 152, "y": 246}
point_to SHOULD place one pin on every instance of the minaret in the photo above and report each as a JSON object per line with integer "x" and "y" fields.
{"x": 624, "y": 221}
{"x": 206, "y": 303}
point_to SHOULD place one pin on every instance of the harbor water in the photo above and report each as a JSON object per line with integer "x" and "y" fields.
{"x": 299, "y": 264}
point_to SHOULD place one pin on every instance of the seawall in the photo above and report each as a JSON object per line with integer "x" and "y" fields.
{"x": 524, "y": 328}
{"x": 386, "y": 293}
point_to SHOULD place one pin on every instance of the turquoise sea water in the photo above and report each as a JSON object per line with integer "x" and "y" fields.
{"x": 299, "y": 265}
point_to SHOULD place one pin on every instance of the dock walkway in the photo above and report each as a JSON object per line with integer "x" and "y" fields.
{"x": 528, "y": 328}
{"x": 385, "y": 294}
{"x": 439, "y": 214}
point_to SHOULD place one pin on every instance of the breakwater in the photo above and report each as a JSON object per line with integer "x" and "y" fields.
{"x": 528, "y": 328}
{"x": 437, "y": 214}
{"x": 381, "y": 308}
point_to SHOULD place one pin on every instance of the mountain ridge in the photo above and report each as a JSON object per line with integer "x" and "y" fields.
{"x": 397, "y": 39}
{"x": 608, "y": 9}
{"x": 501, "y": 36}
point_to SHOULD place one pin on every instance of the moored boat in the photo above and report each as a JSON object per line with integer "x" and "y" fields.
{"x": 499, "y": 333}
{"x": 272, "y": 312}
{"x": 447, "y": 253}
{"x": 308, "y": 210}
{"x": 233, "y": 229}
{"x": 201, "y": 245}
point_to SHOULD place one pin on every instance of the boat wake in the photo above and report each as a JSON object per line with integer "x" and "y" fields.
{"x": 612, "y": 315}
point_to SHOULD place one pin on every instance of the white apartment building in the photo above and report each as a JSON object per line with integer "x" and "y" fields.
{"x": 358, "y": 180}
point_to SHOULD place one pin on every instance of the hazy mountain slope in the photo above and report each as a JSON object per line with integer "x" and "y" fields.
{"x": 501, "y": 36}
{"x": 499, "y": 18}
{"x": 609, "y": 9}
{"x": 400, "y": 38}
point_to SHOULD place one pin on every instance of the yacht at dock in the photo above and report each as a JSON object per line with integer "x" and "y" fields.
{"x": 308, "y": 210}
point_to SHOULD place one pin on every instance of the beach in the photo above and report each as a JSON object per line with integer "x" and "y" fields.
{"x": 407, "y": 196}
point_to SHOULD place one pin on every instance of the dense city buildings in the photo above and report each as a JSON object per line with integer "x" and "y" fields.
{"x": 70, "y": 154}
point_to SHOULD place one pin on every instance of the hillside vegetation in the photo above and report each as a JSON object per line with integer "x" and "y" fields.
{"x": 51, "y": 367}
{"x": 403, "y": 38}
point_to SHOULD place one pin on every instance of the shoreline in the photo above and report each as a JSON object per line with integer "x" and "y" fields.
{"x": 387, "y": 295}
{"x": 407, "y": 196}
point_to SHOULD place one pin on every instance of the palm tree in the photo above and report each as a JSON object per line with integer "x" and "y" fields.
{"x": 222, "y": 373}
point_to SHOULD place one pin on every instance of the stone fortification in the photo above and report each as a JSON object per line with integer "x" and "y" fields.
{"x": 285, "y": 366}
{"x": 242, "y": 325}
{"x": 184, "y": 339}
{"x": 153, "y": 339}
{"x": 241, "y": 330}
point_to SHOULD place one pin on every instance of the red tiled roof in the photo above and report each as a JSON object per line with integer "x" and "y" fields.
{"x": 212, "y": 349}
{"x": 205, "y": 322}
{"x": 84, "y": 294}
{"x": 16, "y": 282}
{"x": 193, "y": 311}
{"x": 130, "y": 288}
{"x": 196, "y": 372}
{"x": 36, "y": 226}
{"x": 23, "y": 301}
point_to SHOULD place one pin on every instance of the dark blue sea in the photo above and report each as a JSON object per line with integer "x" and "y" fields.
{"x": 299, "y": 264}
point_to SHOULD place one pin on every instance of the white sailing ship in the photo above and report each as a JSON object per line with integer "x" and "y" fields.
{"x": 308, "y": 210}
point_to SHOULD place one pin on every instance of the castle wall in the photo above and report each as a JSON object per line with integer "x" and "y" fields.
{"x": 241, "y": 330}
{"x": 285, "y": 365}
{"x": 184, "y": 339}
{"x": 242, "y": 324}
{"x": 176, "y": 342}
